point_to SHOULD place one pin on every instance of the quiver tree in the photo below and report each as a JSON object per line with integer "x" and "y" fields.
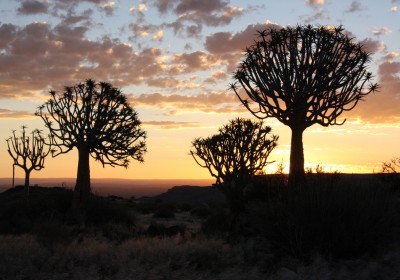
{"x": 234, "y": 155}
{"x": 302, "y": 76}
{"x": 28, "y": 152}
{"x": 96, "y": 119}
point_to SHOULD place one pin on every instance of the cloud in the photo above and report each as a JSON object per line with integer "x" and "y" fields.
{"x": 164, "y": 82}
{"x": 189, "y": 62}
{"x": 381, "y": 31}
{"x": 355, "y": 6}
{"x": 382, "y": 106}
{"x": 171, "y": 124}
{"x": 108, "y": 7}
{"x": 158, "y": 36}
{"x": 391, "y": 55}
{"x": 227, "y": 42}
{"x": 14, "y": 114}
{"x": 142, "y": 7}
{"x": 211, "y": 13}
{"x": 175, "y": 103}
{"x": 31, "y": 7}
{"x": 373, "y": 46}
{"x": 37, "y": 56}
{"x": 193, "y": 14}
{"x": 319, "y": 15}
{"x": 72, "y": 17}
{"x": 229, "y": 46}
{"x": 142, "y": 30}
{"x": 315, "y": 2}
{"x": 139, "y": 12}
{"x": 72, "y": 4}
{"x": 216, "y": 77}
{"x": 163, "y": 6}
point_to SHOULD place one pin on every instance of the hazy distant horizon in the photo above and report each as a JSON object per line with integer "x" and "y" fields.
{"x": 113, "y": 186}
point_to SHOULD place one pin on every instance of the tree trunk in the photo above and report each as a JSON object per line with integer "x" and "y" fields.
{"x": 26, "y": 186}
{"x": 296, "y": 172}
{"x": 82, "y": 187}
{"x": 27, "y": 174}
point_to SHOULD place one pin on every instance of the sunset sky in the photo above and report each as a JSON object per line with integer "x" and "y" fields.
{"x": 174, "y": 60}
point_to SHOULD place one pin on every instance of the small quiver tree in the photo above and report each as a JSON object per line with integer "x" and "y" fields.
{"x": 97, "y": 120}
{"x": 28, "y": 152}
{"x": 391, "y": 172}
{"x": 303, "y": 76}
{"x": 234, "y": 155}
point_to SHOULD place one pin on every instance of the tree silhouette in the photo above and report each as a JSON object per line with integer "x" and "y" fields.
{"x": 96, "y": 119}
{"x": 302, "y": 76}
{"x": 392, "y": 166}
{"x": 239, "y": 150}
{"x": 28, "y": 152}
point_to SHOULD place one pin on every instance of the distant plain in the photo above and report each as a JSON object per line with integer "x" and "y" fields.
{"x": 110, "y": 186}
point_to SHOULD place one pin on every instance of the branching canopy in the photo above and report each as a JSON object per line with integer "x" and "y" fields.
{"x": 239, "y": 150}
{"x": 96, "y": 117}
{"x": 28, "y": 152}
{"x": 303, "y": 75}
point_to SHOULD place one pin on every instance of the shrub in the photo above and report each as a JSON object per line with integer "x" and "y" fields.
{"x": 217, "y": 223}
{"x": 346, "y": 219}
{"x": 164, "y": 212}
{"x": 101, "y": 210}
{"x": 201, "y": 211}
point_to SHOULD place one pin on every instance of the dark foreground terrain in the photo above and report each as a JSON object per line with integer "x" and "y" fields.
{"x": 337, "y": 227}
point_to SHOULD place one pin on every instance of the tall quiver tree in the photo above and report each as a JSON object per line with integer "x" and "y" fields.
{"x": 96, "y": 119}
{"x": 28, "y": 152}
{"x": 302, "y": 76}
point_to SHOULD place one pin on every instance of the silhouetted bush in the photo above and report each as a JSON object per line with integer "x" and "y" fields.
{"x": 51, "y": 218}
{"x": 201, "y": 211}
{"x": 46, "y": 205}
{"x": 217, "y": 223}
{"x": 341, "y": 219}
{"x": 185, "y": 207}
{"x": 160, "y": 230}
{"x": 101, "y": 210}
{"x": 390, "y": 173}
{"x": 145, "y": 207}
{"x": 165, "y": 212}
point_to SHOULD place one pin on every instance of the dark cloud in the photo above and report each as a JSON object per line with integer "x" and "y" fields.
{"x": 227, "y": 42}
{"x": 37, "y": 56}
{"x": 217, "y": 77}
{"x": 373, "y": 46}
{"x": 7, "y": 33}
{"x": 31, "y": 7}
{"x": 205, "y": 6}
{"x": 355, "y": 6}
{"x": 164, "y": 6}
{"x": 58, "y": 7}
{"x": 142, "y": 29}
{"x": 317, "y": 16}
{"x": 382, "y": 106}
{"x": 228, "y": 47}
{"x": 72, "y": 18}
{"x": 108, "y": 8}
{"x": 194, "y": 61}
{"x": 216, "y": 18}
{"x": 193, "y": 14}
